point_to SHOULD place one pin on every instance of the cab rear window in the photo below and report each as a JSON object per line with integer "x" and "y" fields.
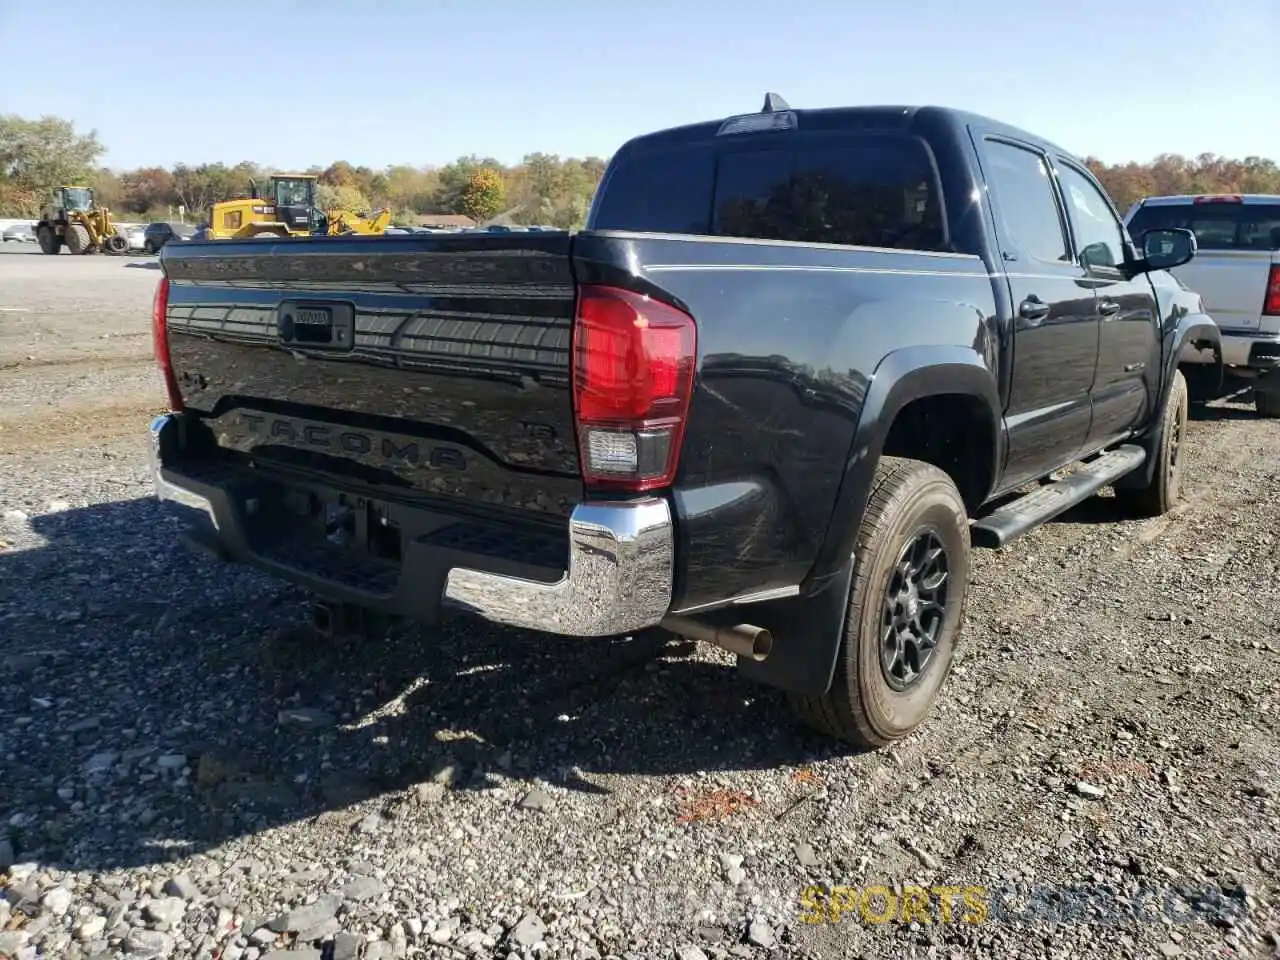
{"x": 876, "y": 190}
{"x": 1218, "y": 225}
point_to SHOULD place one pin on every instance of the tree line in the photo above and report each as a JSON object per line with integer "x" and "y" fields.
{"x": 37, "y": 154}
{"x": 545, "y": 189}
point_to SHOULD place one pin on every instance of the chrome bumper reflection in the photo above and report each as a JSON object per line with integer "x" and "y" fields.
{"x": 621, "y": 557}
{"x": 166, "y": 489}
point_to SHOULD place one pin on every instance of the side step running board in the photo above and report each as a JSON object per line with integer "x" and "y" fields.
{"x": 1028, "y": 512}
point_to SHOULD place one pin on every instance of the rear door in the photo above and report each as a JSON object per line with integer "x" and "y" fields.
{"x": 1055, "y": 324}
{"x": 1238, "y": 239}
{"x": 1128, "y": 369}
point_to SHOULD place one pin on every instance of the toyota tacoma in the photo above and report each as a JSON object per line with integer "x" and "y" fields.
{"x": 795, "y": 367}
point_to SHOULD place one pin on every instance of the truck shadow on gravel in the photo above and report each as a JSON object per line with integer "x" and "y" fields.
{"x": 1240, "y": 408}
{"x": 1232, "y": 400}
{"x": 155, "y": 703}
{"x": 1225, "y": 404}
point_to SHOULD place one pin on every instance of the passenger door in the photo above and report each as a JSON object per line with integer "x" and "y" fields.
{"x": 1054, "y": 323}
{"x": 1128, "y": 368}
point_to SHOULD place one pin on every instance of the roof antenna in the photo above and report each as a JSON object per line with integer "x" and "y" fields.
{"x": 773, "y": 103}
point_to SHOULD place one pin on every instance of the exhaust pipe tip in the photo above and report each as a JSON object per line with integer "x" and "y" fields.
{"x": 322, "y": 619}
{"x": 761, "y": 643}
{"x": 743, "y": 640}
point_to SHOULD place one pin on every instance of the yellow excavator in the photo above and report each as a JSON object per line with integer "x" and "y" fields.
{"x": 73, "y": 217}
{"x": 289, "y": 210}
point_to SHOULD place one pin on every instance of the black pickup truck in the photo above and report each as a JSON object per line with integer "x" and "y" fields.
{"x": 795, "y": 366}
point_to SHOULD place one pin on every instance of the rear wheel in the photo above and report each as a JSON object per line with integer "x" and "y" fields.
{"x": 49, "y": 241}
{"x": 77, "y": 238}
{"x": 905, "y": 604}
{"x": 1266, "y": 404}
{"x": 1159, "y": 496}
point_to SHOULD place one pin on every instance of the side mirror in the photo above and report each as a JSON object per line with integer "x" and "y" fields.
{"x": 1168, "y": 248}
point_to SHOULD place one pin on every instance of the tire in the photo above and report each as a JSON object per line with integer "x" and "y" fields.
{"x": 913, "y": 508}
{"x": 1266, "y": 405}
{"x": 115, "y": 244}
{"x": 49, "y": 241}
{"x": 1159, "y": 496}
{"x": 77, "y": 238}
{"x": 1201, "y": 386}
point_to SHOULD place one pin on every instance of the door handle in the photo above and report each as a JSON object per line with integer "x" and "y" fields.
{"x": 1033, "y": 309}
{"x": 1108, "y": 308}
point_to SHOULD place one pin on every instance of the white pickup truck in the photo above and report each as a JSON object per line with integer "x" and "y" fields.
{"x": 1236, "y": 272}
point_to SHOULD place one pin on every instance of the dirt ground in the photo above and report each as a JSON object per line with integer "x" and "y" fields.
{"x": 75, "y": 348}
{"x": 1100, "y": 777}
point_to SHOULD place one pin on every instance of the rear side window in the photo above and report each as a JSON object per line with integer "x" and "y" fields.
{"x": 868, "y": 190}
{"x": 663, "y": 190}
{"x": 1029, "y": 214}
{"x": 1217, "y": 225}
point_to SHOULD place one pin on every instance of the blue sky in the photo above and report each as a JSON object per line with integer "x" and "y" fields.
{"x": 290, "y": 83}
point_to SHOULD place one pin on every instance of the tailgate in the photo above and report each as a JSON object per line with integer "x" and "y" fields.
{"x": 432, "y": 365}
{"x": 1233, "y": 284}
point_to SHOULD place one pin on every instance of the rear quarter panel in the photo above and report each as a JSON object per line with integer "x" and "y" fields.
{"x": 790, "y": 337}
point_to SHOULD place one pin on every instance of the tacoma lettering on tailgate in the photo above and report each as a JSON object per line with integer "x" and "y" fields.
{"x": 390, "y": 447}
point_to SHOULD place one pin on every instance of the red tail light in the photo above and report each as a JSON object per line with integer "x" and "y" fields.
{"x": 160, "y": 343}
{"x": 1222, "y": 198}
{"x": 1271, "y": 302}
{"x": 633, "y": 367}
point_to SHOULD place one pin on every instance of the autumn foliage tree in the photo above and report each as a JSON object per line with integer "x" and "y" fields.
{"x": 147, "y": 189}
{"x": 37, "y": 155}
{"x": 485, "y": 195}
{"x": 345, "y": 197}
{"x": 16, "y": 201}
{"x": 1169, "y": 174}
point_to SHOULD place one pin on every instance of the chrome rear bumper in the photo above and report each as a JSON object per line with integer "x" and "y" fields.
{"x": 620, "y": 575}
{"x": 1240, "y": 349}
{"x": 162, "y": 431}
{"x": 621, "y": 557}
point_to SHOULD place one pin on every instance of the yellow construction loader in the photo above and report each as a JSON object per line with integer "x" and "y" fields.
{"x": 72, "y": 217}
{"x": 289, "y": 210}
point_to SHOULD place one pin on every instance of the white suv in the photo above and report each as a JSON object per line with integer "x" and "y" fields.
{"x": 1236, "y": 271}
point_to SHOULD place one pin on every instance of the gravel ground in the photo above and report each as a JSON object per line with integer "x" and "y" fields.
{"x": 187, "y": 771}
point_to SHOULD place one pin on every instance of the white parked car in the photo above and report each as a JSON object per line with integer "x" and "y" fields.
{"x": 137, "y": 238}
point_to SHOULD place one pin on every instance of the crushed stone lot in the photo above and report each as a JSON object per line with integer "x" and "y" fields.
{"x": 186, "y": 770}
